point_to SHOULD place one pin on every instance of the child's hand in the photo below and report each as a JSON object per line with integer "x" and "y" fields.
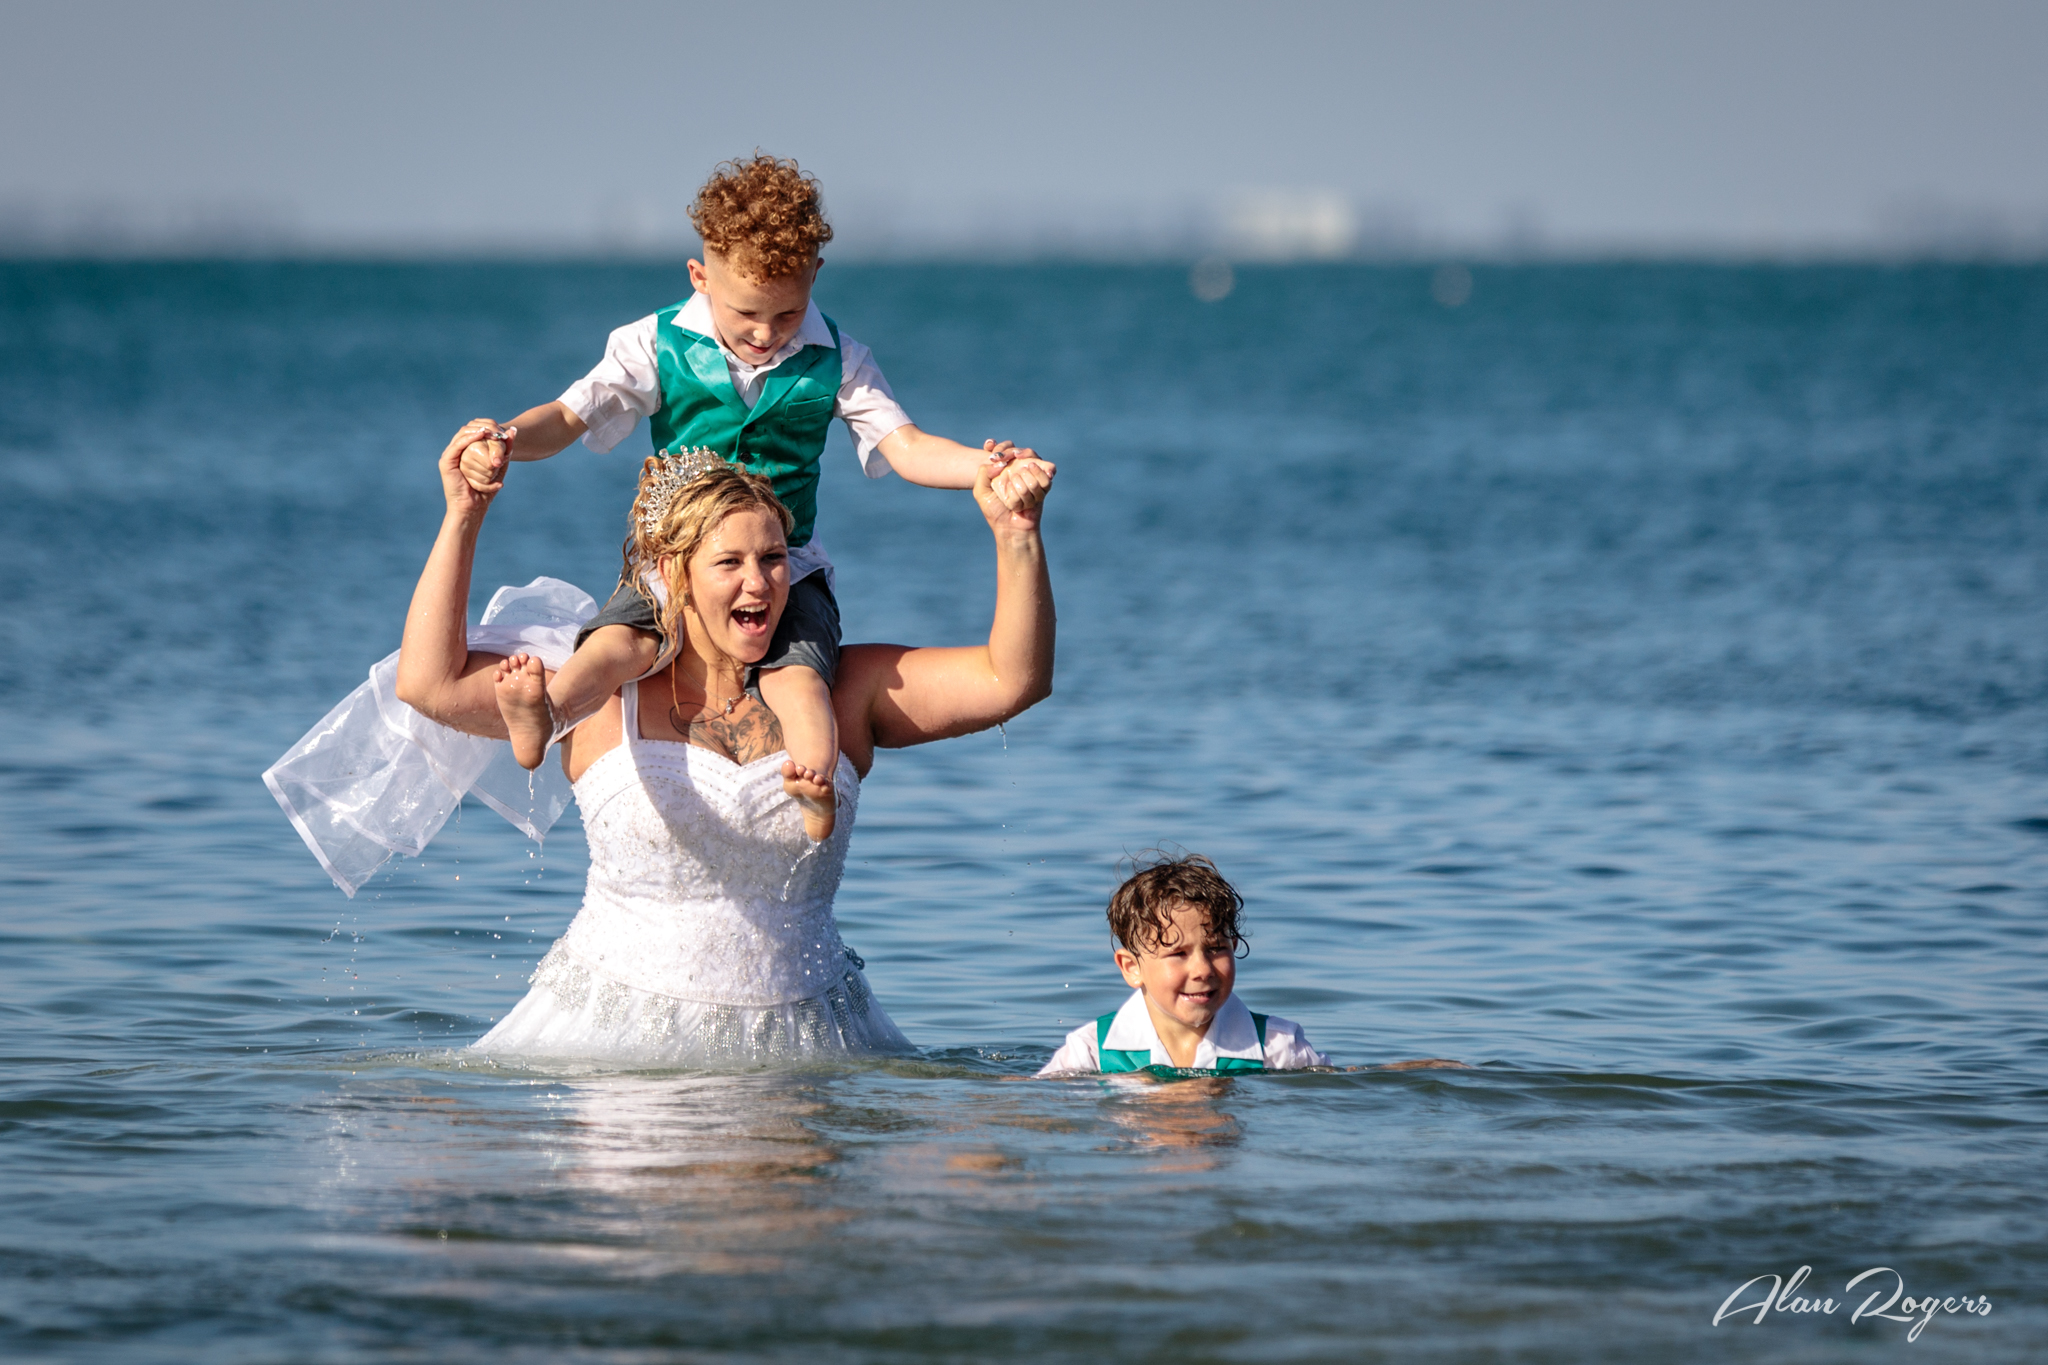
{"x": 1002, "y": 452}
{"x": 1012, "y": 495}
{"x": 1022, "y": 483}
{"x": 462, "y": 493}
{"x": 488, "y": 454}
{"x": 1007, "y": 462}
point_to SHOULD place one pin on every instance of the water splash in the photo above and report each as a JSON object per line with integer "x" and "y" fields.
{"x": 797, "y": 866}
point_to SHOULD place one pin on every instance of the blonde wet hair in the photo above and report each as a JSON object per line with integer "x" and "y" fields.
{"x": 672, "y": 524}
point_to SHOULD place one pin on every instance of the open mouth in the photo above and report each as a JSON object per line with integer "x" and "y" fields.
{"x": 751, "y": 619}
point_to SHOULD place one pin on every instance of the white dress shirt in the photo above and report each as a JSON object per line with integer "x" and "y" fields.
{"x": 1232, "y": 1033}
{"x": 626, "y": 385}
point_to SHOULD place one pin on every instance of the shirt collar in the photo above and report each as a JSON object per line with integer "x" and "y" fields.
{"x": 695, "y": 316}
{"x": 1231, "y": 1034}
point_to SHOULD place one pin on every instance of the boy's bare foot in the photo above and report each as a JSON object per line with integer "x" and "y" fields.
{"x": 522, "y": 688}
{"x": 813, "y": 792}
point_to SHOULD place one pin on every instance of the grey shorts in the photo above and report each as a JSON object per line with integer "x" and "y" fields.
{"x": 806, "y": 637}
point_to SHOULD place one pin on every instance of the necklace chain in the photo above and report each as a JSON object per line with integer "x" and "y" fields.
{"x": 675, "y": 709}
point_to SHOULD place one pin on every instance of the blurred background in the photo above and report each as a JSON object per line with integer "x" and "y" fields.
{"x": 1552, "y": 498}
{"x": 1858, "y": 128}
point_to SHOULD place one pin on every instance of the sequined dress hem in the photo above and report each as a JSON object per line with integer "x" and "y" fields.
{"x": 576, "y": 1011}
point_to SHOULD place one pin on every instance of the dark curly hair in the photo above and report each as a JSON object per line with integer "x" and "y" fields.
{"x": 1161, "y": 882}
{"x": 763, "y": 215}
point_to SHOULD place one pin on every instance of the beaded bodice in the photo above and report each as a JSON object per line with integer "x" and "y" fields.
{"x": 702, "y": 883}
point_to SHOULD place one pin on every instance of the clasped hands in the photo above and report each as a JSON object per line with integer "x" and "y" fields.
{"x": 1017, "y": 477}
{"x": 489, "y": 453}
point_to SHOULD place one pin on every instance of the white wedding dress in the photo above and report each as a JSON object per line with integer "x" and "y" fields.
{"x": 706, "y": 935}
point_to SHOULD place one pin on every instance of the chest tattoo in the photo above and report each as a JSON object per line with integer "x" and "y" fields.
{"x": 752, "y": 733}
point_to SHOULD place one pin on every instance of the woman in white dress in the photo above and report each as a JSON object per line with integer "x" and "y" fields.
{"x": 707, "y": 934}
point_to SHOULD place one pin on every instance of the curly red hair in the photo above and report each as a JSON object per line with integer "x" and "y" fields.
{"x": 763, "y": 215}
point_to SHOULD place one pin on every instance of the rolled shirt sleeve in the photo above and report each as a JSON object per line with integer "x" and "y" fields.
{"x": 1287, "y": 1047}
{"x": 867, "y": 406}
{"x": 1076, "y": 1054}
{"x": 625, "y": 387}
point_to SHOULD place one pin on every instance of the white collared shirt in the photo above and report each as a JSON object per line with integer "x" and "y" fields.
{"x": 626, "y": 385}
{"x": 1232, "y": 1033}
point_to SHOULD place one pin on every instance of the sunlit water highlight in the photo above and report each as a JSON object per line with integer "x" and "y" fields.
{"x": 1630, "y": 680}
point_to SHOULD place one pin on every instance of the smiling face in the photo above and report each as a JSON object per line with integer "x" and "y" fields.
{"x": 754, "y": 318}
{"x": 1186, "y": 976}
{"x": 738, "y": 585}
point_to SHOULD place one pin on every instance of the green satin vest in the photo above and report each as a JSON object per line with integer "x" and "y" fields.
{"x": 780, "y": 438}
{"x": 1132, "y": 1059}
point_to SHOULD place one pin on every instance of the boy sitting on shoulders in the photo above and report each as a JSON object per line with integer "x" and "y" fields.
{"x": 1177, "y": 941}
{"x": 748, "y": 368}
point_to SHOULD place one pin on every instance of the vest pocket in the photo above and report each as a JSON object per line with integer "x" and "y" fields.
{"x": 807, "y": 407}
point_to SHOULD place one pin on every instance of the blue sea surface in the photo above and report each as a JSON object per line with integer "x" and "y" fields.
{"x": 1632, "y": 682}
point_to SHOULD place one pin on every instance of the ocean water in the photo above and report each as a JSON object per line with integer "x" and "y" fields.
{"x": 1632, "y": 682}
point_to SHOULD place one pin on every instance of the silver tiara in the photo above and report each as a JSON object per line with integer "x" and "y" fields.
{"x": 677, "y": 472}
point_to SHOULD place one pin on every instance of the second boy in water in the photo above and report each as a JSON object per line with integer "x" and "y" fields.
{"x": 748, "y": 368}
{"x": 1177, "y": 941}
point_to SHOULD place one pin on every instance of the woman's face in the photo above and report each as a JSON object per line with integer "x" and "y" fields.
{"x": 739, "y": 584}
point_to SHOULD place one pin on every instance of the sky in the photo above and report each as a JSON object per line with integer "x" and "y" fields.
{"x": 1276, "y": 129}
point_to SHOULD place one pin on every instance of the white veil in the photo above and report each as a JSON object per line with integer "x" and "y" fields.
{"x": 376, "y": 777}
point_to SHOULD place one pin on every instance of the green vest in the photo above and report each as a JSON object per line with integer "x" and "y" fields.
{"x": 782, "y": 436}
{"x": 1132, "y": 1059}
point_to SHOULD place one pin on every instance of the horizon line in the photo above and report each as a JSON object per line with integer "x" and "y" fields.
{"x": 1872, "y": 254}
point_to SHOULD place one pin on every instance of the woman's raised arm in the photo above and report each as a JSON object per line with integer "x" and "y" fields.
{"x": 437, "y": 675}
{"x": 890, "y": 696}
